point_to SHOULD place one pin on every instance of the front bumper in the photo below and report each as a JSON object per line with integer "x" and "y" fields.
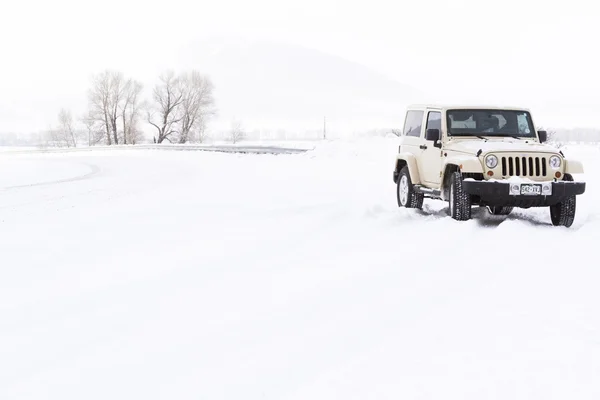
{"x": 499, "y": 193}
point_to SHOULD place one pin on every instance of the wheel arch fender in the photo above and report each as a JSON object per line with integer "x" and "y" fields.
{"x": 573, "y": 167}
{"x": 407, "y": 159}
{"x": 463, "y": 164}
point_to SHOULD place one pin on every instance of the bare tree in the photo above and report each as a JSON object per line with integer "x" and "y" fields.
{"x": 134, "y": 133}
{"x": 164, "y": 113}
{"x": 236, "y": 133}
{"x": 196, "y": 104}
{"x": 89, "y": 122}
{"x": 66, "y": 131}
{"x": 99, "y": 102}
{"x": 130, "y": 111}
{"x": 118, "y": 88}
{"x": 106, "y": 97}
{"x": 52, "y": 138}
{"x": 93, "y": 129}
{"x": 199, "y": 134}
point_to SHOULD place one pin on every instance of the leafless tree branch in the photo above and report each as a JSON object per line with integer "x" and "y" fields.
{"x": 236, "y": 133}
{"x": 164, "y": 114}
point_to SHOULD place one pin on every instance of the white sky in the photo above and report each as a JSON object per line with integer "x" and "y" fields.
{"x": 537, "y": 54}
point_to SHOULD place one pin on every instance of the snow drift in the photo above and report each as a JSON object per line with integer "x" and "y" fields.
{"x": 188, "y": 275}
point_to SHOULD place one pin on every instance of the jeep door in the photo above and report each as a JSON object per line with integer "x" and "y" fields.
{"x": 413, "y": 132}
{"x": 430, "y": 160}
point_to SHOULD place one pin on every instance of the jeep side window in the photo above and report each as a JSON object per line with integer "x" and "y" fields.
{"x": 413, "y": 123}
{"x": 434, "y": 120}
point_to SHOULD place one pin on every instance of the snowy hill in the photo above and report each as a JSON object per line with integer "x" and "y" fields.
{"x": 271, "y": 85}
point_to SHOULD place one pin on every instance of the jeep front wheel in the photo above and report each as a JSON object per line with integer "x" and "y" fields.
{"x": 563, "y": 213}
{"x": 405, "y": 193}
{"x": 460, "y": 202}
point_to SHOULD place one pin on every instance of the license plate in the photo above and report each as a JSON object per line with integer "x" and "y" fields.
{"x": 531, "y": 189}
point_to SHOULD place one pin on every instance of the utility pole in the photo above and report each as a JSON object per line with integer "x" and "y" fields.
{"x": 324, "y": 128}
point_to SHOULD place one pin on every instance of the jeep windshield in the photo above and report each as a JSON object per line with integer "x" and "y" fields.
{"x": 511, "y": 123}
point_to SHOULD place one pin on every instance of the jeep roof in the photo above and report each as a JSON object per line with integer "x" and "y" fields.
{"x": 443, "y": 107}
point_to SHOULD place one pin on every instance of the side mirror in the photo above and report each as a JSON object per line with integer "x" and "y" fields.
{"x": 433, "y": 135}
{"x": 543, "y": 136}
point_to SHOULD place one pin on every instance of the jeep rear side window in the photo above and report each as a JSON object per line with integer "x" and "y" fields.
{"x": 414, "y": 121}
{"x": 434, "y": 120}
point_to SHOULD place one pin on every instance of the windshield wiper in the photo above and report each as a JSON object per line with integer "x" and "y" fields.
{"x": 469, "y": 135}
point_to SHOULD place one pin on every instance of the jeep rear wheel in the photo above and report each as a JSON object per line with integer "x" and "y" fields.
{"x": 460, "y": 202}
{"x": 563, "y": 213}
{"x": 405, "y": 192}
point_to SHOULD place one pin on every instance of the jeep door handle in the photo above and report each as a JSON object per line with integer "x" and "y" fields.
{"x": 423, "y": 147}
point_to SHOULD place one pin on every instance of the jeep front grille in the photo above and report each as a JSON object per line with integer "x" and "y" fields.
{"x": 524, "y": 166}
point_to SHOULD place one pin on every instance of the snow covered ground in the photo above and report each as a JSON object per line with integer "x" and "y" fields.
{"x": 193, "y": 275}
{"x": 279, "y": 147}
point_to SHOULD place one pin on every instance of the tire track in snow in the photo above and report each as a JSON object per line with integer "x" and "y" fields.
{"x": 94, "y": 170}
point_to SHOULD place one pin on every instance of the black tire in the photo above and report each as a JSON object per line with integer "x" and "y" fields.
{"x": 563, "y": 213}
{"x": 459, "y": 201}
{"x": 498, "y": 210}
{"x": 405, "y": 193}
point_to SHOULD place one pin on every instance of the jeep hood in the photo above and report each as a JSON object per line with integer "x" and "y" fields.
{"x": 472, "y": 146}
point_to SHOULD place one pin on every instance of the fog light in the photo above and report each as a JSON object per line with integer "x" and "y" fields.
{"x": 514, "y": 189}
{"x": 547, "y": 189}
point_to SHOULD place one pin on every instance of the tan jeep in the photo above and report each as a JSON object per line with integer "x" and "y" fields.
{"x": 483, "y": 156}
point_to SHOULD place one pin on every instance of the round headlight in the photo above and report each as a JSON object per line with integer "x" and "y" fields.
{"x": 491, "y": 161}
{"x": 555, "y": 161}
